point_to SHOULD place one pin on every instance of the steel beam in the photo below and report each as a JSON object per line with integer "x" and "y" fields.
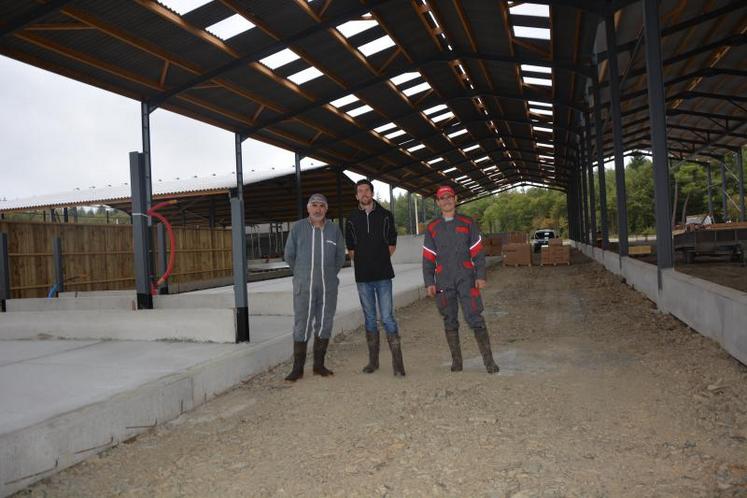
{"x": 238, "y": 249}
{"x": 140, "y": 231}
{"x": 622, "y": 213}
{"x": 600, "y": 164}
{"x": 657, "y": 113}
{"x": 33, "y": 15}
{"x": 4, "y": 271}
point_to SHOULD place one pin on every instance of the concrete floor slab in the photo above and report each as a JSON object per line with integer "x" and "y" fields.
{"x": 17, "y": 351}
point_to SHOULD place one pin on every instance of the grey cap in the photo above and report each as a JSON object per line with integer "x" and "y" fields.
{"x": 320, "y": 198}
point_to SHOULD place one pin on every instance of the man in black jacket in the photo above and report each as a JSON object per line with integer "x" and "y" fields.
{"x": 371, "y": 238}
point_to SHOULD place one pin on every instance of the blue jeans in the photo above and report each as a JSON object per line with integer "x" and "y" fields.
{"x": 381, "y": 291}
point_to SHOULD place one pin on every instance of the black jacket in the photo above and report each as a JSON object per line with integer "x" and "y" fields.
{"x": 370, "y": 235}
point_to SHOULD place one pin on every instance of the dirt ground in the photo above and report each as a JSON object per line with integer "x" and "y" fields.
{"x": 719, "y": 270}
{"x": 598, "y": 395}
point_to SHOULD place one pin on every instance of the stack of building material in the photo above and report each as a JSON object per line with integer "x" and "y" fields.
{"x": 517, "y": 254}
{"x": 555, "y": 254}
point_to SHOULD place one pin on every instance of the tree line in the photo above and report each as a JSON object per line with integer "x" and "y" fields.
{"x": 533, "y": 208}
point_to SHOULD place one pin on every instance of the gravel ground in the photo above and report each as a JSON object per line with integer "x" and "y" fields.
{"x": 598, "y": 395}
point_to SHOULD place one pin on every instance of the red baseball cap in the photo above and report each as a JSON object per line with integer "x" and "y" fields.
{"x": 443, "y": 190}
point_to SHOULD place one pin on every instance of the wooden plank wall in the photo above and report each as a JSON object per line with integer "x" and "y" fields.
{"x": 99, "y": 257}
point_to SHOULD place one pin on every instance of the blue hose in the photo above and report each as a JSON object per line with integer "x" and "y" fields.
{"x": 52, "y": 291}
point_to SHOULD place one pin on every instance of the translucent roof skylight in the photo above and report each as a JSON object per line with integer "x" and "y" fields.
{"x": 529, "y": 80}
{"x": 457, "y": 133}
{"x": 352, "y": 28}
{"x": 359, "y": 110}
{"x": 544, "y": 112}
{"x": 489, "y": 168}
{"x": 449, "y": 170}
{"x": 280, "y": 58}
{"x": 181, "y": 7}
{"x": 413, "y": 90}
{"x": 395, "y": 134}
{"x": 532, "y": 32}
{"x": 471, "y": 148}
{"x": 436, "y": 160}
{"x": 347, "y": 99}
{"x": 441, "y": 117}
{"x": 536, "y": 69}
{"x": 230, "y": 26}
{"x": 530, "y": 9}
{"x": 404, "y": 77}
{"x": 385, "y": 127}
{"x": 376, "y": 46}
{"x": 542, "y": 128}
{"x": 307, "y": 74}
{"x": 534, "y": 103}
{"x": 434, "y": 109}
{"x": 481, "y": 159}
{"x": 416, "y": 148}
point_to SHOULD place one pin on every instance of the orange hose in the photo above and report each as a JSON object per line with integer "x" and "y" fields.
{"x": 172, "y": 243}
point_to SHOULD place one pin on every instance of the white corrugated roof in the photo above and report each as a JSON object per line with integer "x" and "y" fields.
{"x": 104, "y": 195}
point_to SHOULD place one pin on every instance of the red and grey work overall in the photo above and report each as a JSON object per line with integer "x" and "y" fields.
{"x": 453, "y": 258}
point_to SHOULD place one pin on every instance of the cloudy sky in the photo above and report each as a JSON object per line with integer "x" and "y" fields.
{"x": 58, "y": 134}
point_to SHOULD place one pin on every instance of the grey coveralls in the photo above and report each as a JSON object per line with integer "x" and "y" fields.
{"x": 453, "y": 258}
{"x": 315, "y": 255}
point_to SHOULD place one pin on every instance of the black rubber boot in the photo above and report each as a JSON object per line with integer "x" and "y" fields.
{"x": 372, "y": 338}
{"x": 320, "y": 349}
{"x": 452, "y": 338}
{"x": 395, "y": 346}
{"x": 483, "y": 342}
{"x": 299, "y": 360}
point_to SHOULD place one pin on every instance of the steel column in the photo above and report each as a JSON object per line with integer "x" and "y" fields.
{"x": 710, "y": 194}
{"x": 299, "y": 193}
{"x": 238, "y": 249}
{"x": 140, "y": 231}
{"x": 657, "y": 116}
{"x": 339, "y": 199}
{"x": 65, "y": 216}
{"x": 163, "y": 257}
{"x": 145, "y": 111}
{"x": 59, "y": 276}
{"x": 590, "y": 170}
{"x": 724, "y": 196}
{"x": 600, "y": 162}
{"x": 584, "y": 196}
{"x": 211, "y": 213}
{"x": 391, "y": 198}
{"x": 614, "y": 78}
{"x": 409, "y": 214}
{"x": 740, "y": 169}
{"x": 4, "y": 271}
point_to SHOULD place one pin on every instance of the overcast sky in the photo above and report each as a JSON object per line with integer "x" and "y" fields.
{"x": 58, "y": 134}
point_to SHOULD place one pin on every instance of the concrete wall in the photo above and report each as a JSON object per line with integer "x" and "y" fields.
{"x": 712, "y": 310}
{"x": 642, "y": 277}
{"x": 409, "y": 249}
{"x": 216, "y": 325}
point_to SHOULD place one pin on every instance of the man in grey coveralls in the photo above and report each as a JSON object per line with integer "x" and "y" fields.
{"x": 315, "y": 251}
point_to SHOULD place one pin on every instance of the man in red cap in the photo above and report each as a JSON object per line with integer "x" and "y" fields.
{"x": 454, "y": 272}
